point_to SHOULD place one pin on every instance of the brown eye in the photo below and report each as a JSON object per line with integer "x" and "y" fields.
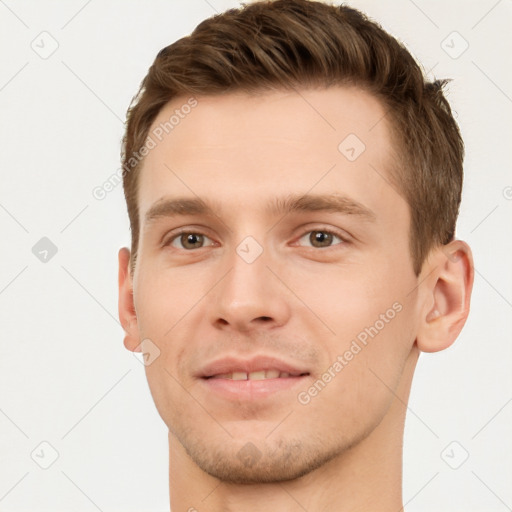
{"x": 191, "y": 240}
{"x": 320, "y": 238}
{"x": 188, "y": 241}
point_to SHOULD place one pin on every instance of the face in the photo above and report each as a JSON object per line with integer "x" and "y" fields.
{"x": 274, "y": 276}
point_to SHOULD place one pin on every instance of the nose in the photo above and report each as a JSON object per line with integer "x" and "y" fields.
{"x": 249, "y": 297}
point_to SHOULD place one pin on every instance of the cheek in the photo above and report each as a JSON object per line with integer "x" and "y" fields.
{"x": 366, "y": 377}
{"x": 159, "y": 307}
{"x": 164, "y": 297}
{"x": 373, "y": 318}
{"x": 347, "y": 298}
{"x": 377, "y": 329}
{"x": 378, "y": 351}
{"x": 167, "y": 386}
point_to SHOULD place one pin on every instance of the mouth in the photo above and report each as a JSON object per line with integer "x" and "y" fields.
{"x": 249, "y": 380}
{"x": 256, "y": 375}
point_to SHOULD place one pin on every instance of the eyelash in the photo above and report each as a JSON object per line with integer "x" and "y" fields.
{"x": 343, "y": 239}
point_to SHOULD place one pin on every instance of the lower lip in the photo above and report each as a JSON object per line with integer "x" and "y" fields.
{"x": 248, "y": 390}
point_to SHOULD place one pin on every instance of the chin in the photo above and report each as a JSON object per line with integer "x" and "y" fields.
{"x": 259, "y": 462}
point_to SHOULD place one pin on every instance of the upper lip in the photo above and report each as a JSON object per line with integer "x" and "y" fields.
{"x": 233, "y": 364}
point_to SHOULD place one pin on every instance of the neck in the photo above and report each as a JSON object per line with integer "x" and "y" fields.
{"x": 367, "y": 477}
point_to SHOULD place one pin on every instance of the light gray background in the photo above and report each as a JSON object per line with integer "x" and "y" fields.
{"x": 65, "y": 377}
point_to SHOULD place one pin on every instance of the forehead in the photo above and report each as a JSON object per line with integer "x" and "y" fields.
{"x": 241, "y": 147}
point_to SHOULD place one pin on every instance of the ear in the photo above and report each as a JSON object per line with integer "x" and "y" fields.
{"x": 447, "y": 293}
{"x": 127, "y": 314}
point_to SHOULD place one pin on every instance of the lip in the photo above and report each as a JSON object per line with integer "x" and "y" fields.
{"x": 256, "y": 363}
{"x": 250, "y": 390}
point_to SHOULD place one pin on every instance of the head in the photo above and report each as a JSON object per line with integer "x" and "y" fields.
{"x": 316, "y": 178}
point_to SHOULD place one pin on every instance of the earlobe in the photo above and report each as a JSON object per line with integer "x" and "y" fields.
{"x": 127, "y": 314}
{"x": 447, "y": 294}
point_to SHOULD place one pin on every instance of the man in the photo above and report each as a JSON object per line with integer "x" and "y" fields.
{"x": 293, "y": 184}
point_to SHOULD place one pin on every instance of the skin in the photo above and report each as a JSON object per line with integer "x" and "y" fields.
{"x": 299, "y": 301}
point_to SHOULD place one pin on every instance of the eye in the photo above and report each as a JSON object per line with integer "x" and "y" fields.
{"x": 188, "y": 240}
{"x": 320, "y": 238}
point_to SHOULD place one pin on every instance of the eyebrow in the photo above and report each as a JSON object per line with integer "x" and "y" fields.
{"x": 334, "y": 203}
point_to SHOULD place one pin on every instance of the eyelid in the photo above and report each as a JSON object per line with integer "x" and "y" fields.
{"x": 344, "y": 237}
{"x": 169, "y": 238}
{"x": 173, "y": 235}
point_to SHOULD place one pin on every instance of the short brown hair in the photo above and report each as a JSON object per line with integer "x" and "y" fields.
{"x": 288, "y": 44}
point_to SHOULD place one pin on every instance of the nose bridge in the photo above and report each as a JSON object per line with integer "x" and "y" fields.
{"x": 248, "y": 295}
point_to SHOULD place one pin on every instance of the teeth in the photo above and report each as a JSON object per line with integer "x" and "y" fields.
{"x": 258, "y": 375}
